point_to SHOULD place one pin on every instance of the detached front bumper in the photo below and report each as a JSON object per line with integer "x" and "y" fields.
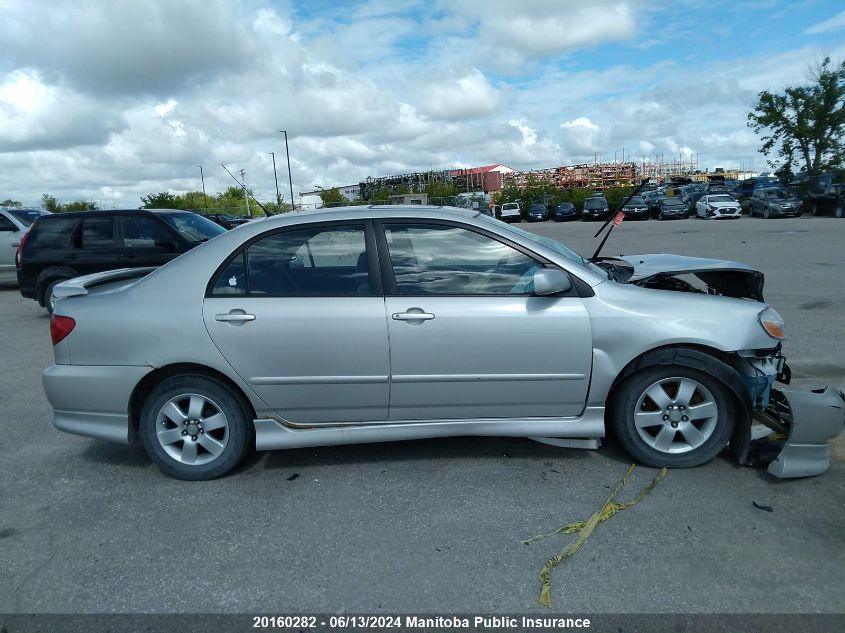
{"x": 808, "y": 419}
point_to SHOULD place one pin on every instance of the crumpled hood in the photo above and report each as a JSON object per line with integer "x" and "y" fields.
{"x": 731, "y": 279}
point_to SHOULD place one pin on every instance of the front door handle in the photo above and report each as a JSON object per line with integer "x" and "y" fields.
{"x": 413, "y": 314}
{"x": 234, "y": 317}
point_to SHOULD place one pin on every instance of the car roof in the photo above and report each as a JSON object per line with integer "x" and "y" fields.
{"x": 105, "y": 212}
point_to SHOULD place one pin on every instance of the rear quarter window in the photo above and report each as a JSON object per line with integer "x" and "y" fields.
{"x": 52, "y": 233}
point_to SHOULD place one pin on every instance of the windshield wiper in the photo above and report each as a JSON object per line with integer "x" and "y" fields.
{"x": 612, "y": 219}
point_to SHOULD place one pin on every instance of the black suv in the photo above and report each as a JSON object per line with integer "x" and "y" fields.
{"x": 66, "y": 245}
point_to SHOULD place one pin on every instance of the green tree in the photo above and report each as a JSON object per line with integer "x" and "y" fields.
{"x": 163, "y": 200}
{"x": 50, "y": 203}
{"x": 804, "y": 123}
{"x": 616, "y": 196}
{"x": 332, "y": 197}
{"x": 11, "y": 203}
{"x": 80, "y": 205}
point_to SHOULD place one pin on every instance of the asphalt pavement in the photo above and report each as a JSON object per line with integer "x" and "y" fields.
{"x": 433, "y": 526}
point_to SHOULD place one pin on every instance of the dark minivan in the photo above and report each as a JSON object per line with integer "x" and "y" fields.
{"x": 62, "y": 246}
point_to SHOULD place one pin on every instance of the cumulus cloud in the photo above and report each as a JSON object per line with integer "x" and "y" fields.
{"x": 107, "y": 47}
{"x": 114, "y": 100}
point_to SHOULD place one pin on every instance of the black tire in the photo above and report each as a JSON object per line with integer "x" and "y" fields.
{"x": 839, "y": 212}
{"x": 48, "y": 292}
{"x": 236, "y": 438}
{"x": 766, "y": 213}
{"x": 717, "y": 429}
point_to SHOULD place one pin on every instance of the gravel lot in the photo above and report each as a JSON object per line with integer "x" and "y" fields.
{"x": 432, "y": 526}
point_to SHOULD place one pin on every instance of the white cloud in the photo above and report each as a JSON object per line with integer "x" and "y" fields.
{"x": 836, "y": 23}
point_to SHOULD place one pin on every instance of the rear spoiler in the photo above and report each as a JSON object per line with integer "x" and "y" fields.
{"x": 79, "y": 286}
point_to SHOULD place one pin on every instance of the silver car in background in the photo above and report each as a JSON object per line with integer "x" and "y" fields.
{"x": 393, "y": 323}
{"x": 14, "y": 223}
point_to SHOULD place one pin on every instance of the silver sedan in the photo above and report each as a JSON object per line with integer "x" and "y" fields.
{"x": 392, "y": 323}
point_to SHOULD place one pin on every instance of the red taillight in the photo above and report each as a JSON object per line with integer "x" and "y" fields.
{"x": 19, "y": 252}
{"x": 60, "y": 327}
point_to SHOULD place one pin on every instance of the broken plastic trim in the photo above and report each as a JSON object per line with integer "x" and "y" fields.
{"x": 810, "y": 419}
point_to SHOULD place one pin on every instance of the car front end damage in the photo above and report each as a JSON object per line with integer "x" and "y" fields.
{"x": 789, "y": 429}
{"x": 792, "y": 428}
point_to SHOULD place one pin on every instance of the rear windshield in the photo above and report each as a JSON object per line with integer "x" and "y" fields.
{"x": 27, "y": 216}
{"x": 193, "y": 227}
{"x": 52, "y": 231}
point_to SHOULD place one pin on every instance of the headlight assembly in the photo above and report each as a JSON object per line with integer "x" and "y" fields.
{"x": 773, "y": 323}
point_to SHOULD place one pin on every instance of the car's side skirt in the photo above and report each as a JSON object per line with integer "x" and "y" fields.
{"x": 272, "y": 433}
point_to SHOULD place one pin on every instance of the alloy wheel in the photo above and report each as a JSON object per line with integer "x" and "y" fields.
{"x": 192, "y": 429}
{"x": 676, "y": 415}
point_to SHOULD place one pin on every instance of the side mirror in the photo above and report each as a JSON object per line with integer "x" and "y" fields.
{"x": 551, "y": 281}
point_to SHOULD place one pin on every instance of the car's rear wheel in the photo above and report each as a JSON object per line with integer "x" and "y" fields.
{"x": 672, "y": 416}
{"x": 195, "y": 428}
{"x": 49, "y": 302}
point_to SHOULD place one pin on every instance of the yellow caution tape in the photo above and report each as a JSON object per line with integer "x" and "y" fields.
{"x": 585, "y": 528}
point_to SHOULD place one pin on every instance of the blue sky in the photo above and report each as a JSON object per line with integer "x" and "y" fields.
{"x": 110, "y": 100}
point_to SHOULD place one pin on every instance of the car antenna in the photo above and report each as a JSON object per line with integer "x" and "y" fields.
{"x": 246, "y": 191}
{"x": 612, "y": 220}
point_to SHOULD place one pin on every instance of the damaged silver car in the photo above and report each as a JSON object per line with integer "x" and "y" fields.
{"x": 394, "y": 323}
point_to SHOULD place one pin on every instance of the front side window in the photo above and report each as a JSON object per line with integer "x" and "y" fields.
{"x": 141, "y": 232}
{"x": 193, "y": 227}
{"x": 448, "y": 260}
{"x": 6, "y": 224}
{"x": 320, "y": 261}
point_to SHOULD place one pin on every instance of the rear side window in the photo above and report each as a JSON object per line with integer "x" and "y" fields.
{"x": 321, "y": 261}
{"x": 51, "y": 233}
{"x": 6, "y": 224}
{"x": 97, "y": 232}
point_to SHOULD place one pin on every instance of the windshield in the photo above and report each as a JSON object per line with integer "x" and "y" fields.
{"x": 595, "y": 203}
{"x": 637, "y": 200}
{"x": 779, "y": 193}
{"x": 193, "y": 227}
{"x": 27, "y": 216}
{"x": 672, "y": 202}
{"x": 720, "y": 199}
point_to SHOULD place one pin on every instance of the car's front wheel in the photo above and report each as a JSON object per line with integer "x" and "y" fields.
{"x": 195, "y": 428}
{"x": 672, "y": 416}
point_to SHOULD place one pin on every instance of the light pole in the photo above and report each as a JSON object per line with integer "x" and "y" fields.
{"x": 290, "y": 180}
{"x": 276, "y": 178}
{"x": 205, "y": 199}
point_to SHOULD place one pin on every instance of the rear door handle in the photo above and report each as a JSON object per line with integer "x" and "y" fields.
{"x": 412, "y": 316}
{"x": 234, "y": 317}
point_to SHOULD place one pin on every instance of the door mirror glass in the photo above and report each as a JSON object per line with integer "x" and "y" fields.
{"x": 551, "y": 281}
